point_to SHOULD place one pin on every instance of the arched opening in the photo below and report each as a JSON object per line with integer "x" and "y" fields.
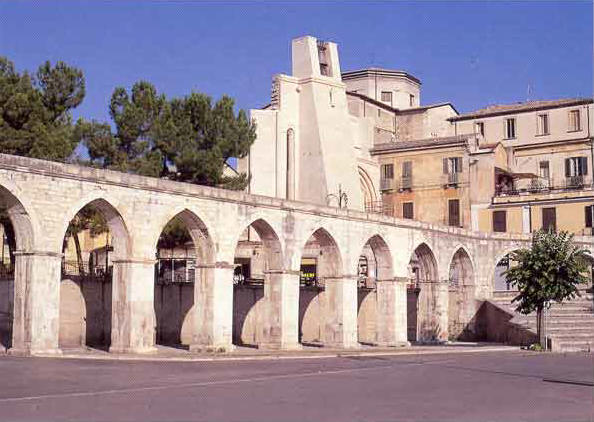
{"x": 17, "y": 235}
{"x": 370, "y": 199}
{"x": 461, "y": 302}
{"x": 258, "y": 252}
{"x": 320, "y": 262}
{"x": 424, "y": 305}
{"x": 290, "y": 164}
{"x": 184, "y": 255}
{"x": 375, "y": 263}
{"x": 96, "y": 237}
{"x": 500, "y": 283}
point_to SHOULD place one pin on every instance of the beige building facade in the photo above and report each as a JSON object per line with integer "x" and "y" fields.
{"x": 508, "y": 168}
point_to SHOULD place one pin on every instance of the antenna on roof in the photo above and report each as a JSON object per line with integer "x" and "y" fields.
{"x": 528, "y": 91}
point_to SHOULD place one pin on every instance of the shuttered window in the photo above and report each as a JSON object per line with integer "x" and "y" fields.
{"x": 549, "y": 219}
{"x": 509, "y": 128}
{"x": 452, "y": 165}
{"x": 408, "y": 210}
{"x": 576, "y": 166}
{"x": 500, "y": 221}
{"x": 387, "y": 171}
{"x": 407, "y": 169}
{"x": 454, "y": 213}
{"x": 588, "y": 210}
{"x": 574, "y": 121}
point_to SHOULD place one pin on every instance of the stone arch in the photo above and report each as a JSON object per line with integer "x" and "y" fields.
{"x": 380, "y": 268}
{"x": 113, "y": 217}
{"x": 92, "y": 315}
{"x": 367, "y": 188}
{"x": 462, "y": 306}
{"x": 427, "y": 298}
{"x": 20, "y": 229}
{"x": 174, "y": 298}
{"x": 258, "y": 256}
{"x": 322, "y": 255}
{"x": 497, "y": 266}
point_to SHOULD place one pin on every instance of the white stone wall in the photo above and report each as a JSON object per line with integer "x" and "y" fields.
{"x": 42, "y": 197}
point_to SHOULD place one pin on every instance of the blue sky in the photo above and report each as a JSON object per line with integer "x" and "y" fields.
{"x": 471, "y": 54}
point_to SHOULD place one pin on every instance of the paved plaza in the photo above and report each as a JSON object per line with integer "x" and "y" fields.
{"x": 501, "y": 386}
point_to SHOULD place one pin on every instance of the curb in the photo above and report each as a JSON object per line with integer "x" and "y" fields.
{"x": 231, "y": 358}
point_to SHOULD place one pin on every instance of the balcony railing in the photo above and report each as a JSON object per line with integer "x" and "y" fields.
{"x": 386, "y": 184}
{"x": 452, "y": 179}
{"x": 379, "y": 207}
{"x": 574, "y": 182}
{"x": 406, "y": 183}
{"x": 542, "y": 185}
{"x": 85, "y": 271}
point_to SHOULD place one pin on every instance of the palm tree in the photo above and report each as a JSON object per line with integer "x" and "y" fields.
{"x": 550, "y": 271}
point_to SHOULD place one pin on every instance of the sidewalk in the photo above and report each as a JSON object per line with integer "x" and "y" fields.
{"x": 164, "y": 353}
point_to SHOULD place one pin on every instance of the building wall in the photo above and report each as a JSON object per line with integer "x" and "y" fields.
{"x": 526, "y": 126}
{"x": 429, "y": 192}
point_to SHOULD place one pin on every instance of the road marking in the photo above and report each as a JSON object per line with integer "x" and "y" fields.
{"x": 192, "y": 384}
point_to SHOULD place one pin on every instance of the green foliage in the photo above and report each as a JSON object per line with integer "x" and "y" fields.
{"x": 174, "y": 234}
{"x": 35, "y": 119}
{"x": 185, "y": 139}
{"x": 550, "y": 271}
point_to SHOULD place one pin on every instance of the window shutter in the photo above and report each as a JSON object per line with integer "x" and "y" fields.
{"x": 454, "y": 212}
{"x": 549, "y": 219}
{"x": 567, "y": 167}
{"x": 588, "y": 210}
{"x": 407, "y": 169}
{"x": 458, "y": 164}
{"x": 584, "y": 165}
{"x": 445, "y": 166}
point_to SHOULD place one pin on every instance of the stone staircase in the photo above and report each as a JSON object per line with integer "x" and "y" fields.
{"x": 570, "y": 324}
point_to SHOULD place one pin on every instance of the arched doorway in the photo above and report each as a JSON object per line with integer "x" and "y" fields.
{"x": 461, "y": 301}
{"x": 258, "y": 255}
{"x": 184, "y": 257}
{"x": 375, "y": 265}
{"x": 96, "y": 237}
{"x": 427, "y": 298}
{"x": 321, "y": 272}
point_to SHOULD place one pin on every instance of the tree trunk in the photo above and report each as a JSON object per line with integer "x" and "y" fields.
{"x": 81, "y": 267}
{"x": 541, "y": 326}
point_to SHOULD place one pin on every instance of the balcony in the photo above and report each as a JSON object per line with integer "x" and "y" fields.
{"x": 575, "y": 182}
{"x": 539, "y": 185}
{"x": 452, "y": 180}
{"x": 386, "y": 184}
{"x": 406, "y": 183}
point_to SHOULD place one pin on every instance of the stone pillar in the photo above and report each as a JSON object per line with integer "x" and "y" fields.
{"x": 442, "y": 300}
{"x": 280, "y": 325}
{"x": 213, "y": 303}
{"x": 432, "y": 313}
{"x": 133, "y": 308}
{"x": 391, "y": 314}
{"x": 341, "y": 312}
{"x": 36, "y": 323}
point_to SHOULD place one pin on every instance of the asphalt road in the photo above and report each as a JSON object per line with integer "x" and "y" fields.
{"x": 454, "y": 387}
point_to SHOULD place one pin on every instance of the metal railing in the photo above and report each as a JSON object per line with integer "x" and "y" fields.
{"x": 406, "y": 183}
{"x": 541, "y": 185}
{"x": 379, "y": 207}
{"x": 84, "y": 270}
{"x": 452, "y": 179}
{"x": 386, "y": 184}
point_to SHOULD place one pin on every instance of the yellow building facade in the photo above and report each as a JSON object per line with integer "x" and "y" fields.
{"x": 510, "y": 168}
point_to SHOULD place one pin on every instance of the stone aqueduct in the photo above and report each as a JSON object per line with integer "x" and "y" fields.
{"x": 42, "y": 197}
